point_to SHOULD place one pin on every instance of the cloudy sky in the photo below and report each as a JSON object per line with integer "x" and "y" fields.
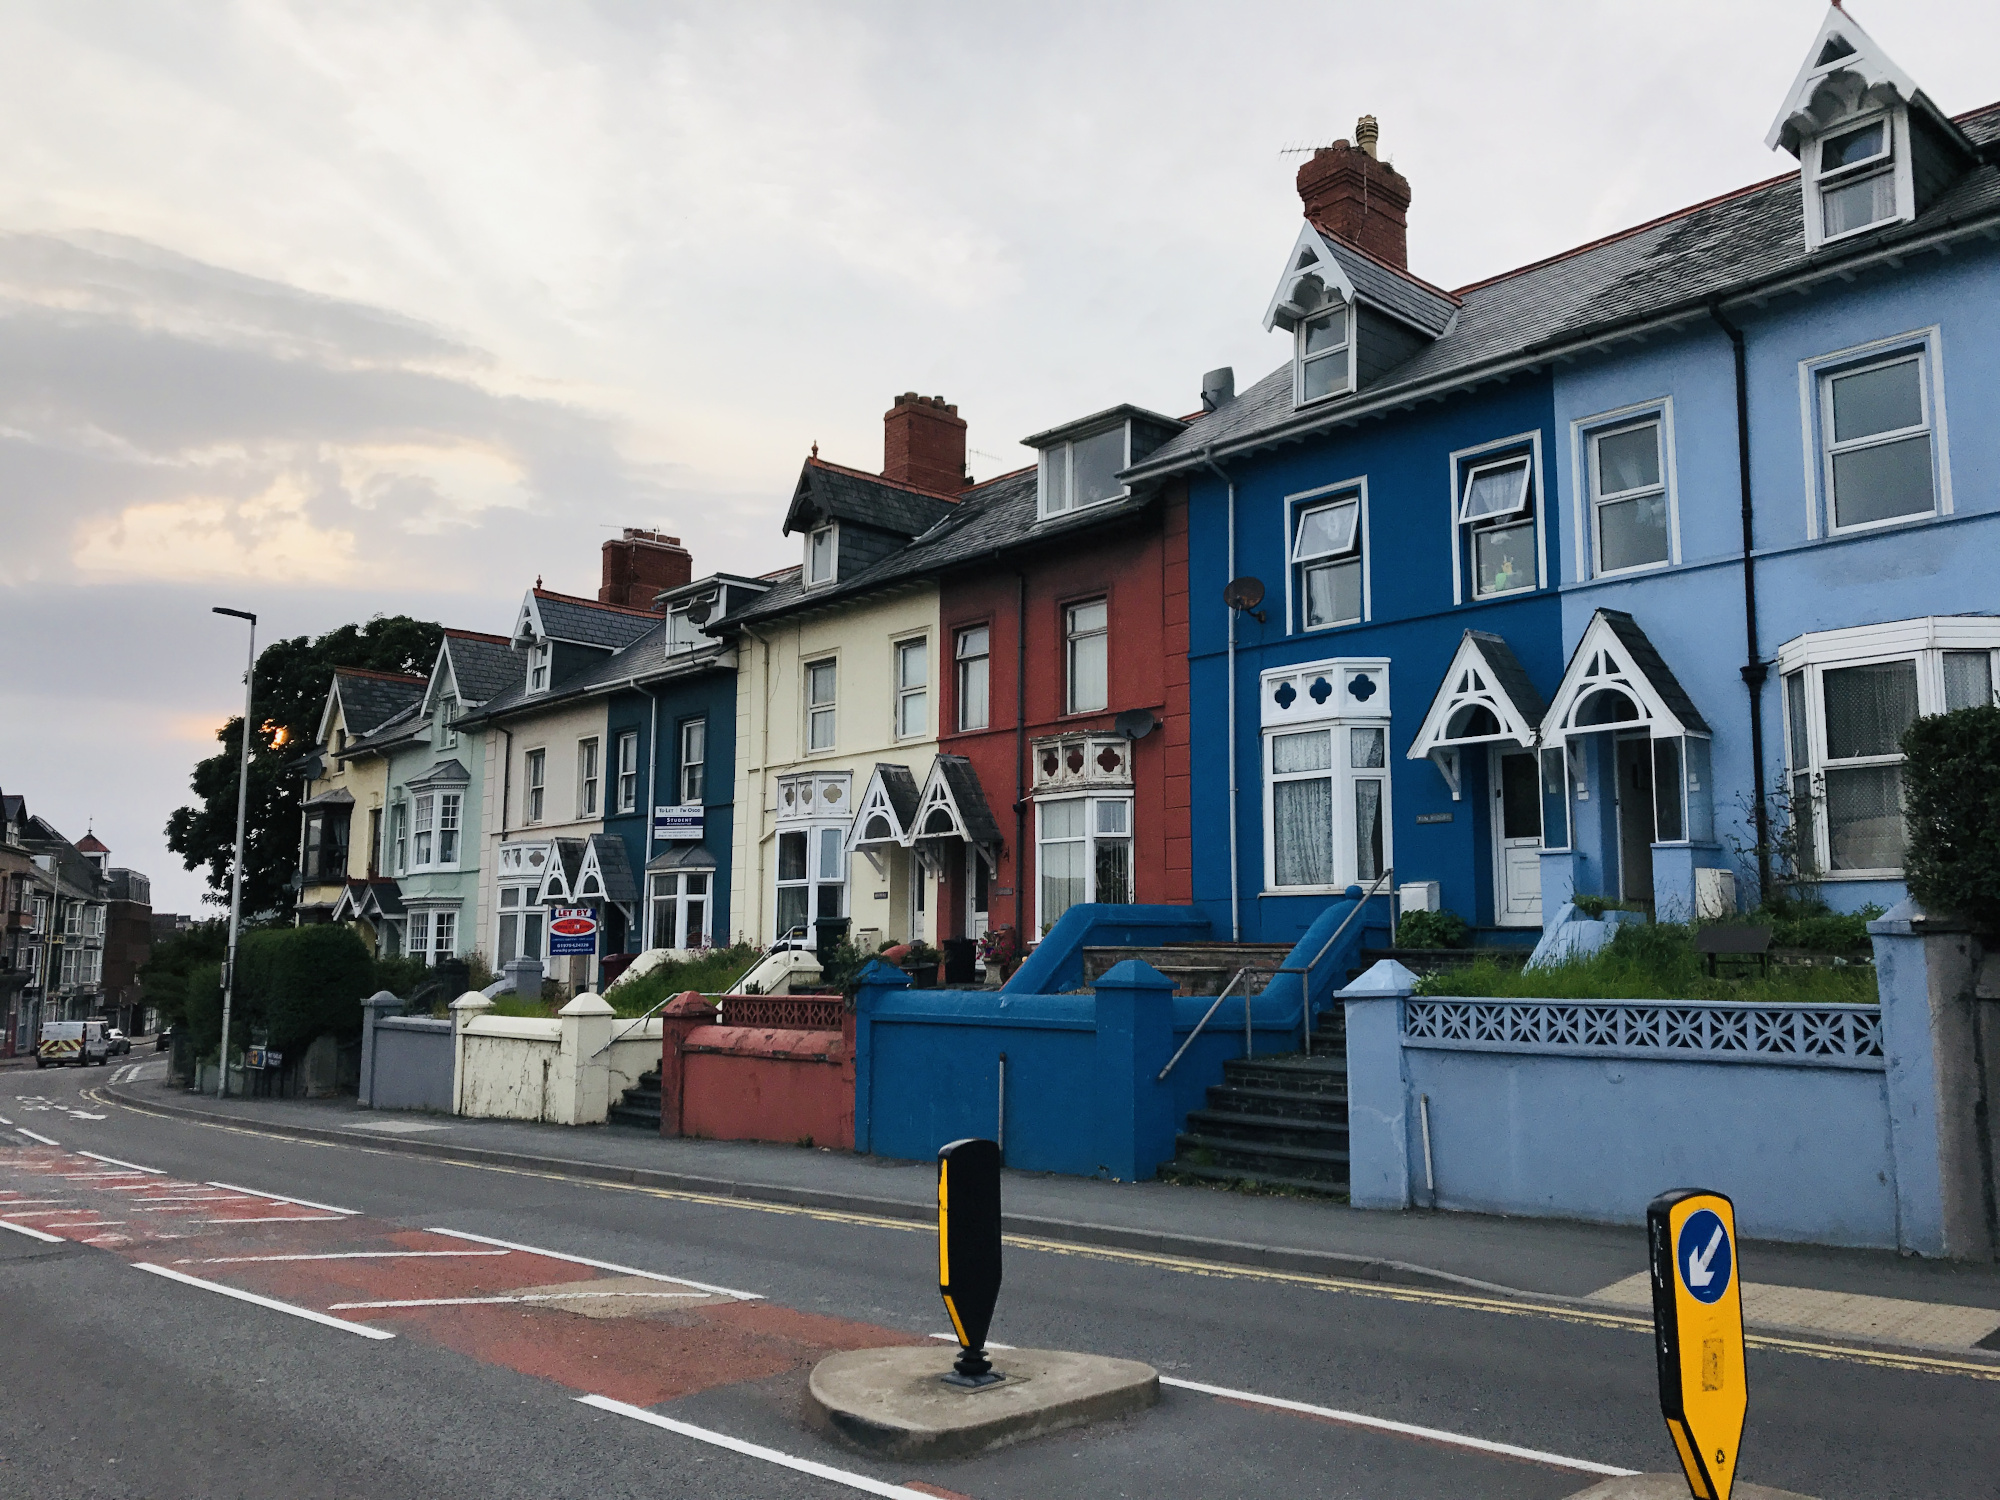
{"x": 324, "y": 310}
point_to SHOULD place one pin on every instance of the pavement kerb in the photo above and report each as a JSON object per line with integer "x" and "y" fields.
{"x": 1328, "y": 1263}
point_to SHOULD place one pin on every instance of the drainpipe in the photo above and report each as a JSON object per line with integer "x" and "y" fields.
{"x": 652, "y": 799}
{"x": 1020, "y": 757}
{"x": 1235, "y": 885}
{"x": 1755, "y": 669}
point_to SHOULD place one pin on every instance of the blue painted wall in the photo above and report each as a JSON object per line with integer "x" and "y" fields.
{"x": 710, "y": 694}
{"x": 1693, "y": 612}
{"x": 1412, "y": 494}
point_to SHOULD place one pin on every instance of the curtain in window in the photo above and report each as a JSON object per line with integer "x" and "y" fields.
{"x": 1367, "y": 830}
{"x": 1868, "y": 708}
{"x": 1864, "y": 817}
{"x": 1302, "y": 831}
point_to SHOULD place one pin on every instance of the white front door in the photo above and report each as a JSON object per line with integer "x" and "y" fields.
{"x": 1516, "y": 785}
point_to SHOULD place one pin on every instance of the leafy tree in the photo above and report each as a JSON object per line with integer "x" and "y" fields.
{"x": 1951, "y": 798}
{"x": 293, "y": 679}
{"x": 167, "y": 975}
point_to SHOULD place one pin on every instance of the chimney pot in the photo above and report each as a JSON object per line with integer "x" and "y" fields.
{"x": 1366, "y": 134}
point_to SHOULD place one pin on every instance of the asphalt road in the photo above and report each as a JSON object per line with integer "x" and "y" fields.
{"x": 124, "y": 1382}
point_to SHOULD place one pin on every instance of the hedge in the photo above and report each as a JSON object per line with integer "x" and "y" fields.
{"x": 1951, "y": 802}
{"x": 294, "y": 984}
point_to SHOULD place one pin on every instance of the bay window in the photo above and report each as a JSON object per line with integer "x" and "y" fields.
{"x": 518, "y": 928}
{"x": 680, "y": 904}
{"x": 1083, "y": 852}
{"x": 1326, "y": 806}
{"x": 812, "y": 878}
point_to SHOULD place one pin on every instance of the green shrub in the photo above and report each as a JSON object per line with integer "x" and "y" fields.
{"x": 1951, "y": 804}
{"x": 298, "y": 983}
{"x": 401, "y": 976}
{"x": 1432, "y": 929}
{"x": 1595, "y": 907}
{"x": 709, "y": 974}
{"x": 201, "y": 1010}
{"x": 1815, "y": 927}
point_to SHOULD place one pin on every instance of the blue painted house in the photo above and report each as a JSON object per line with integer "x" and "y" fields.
{"x": 1620, "y": 573}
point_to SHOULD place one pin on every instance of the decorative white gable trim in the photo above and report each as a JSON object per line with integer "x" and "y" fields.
{"x": 1471, "y": 708}
{"x": 528, "y": 623}
{"x": 1845, "y": 71}
{"x": 589, "y": 876}
{"x": 443, "y": 680}
{"x": 877, "y": 823}
{"x": 1310, "y": 257}
{"x": 1601, "y": 665}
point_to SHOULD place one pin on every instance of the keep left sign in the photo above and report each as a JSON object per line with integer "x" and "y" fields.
{"x": 1698, "y": 1333}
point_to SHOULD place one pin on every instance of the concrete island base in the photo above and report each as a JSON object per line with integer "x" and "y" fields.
{"x": 893, "y": 1401}
{"x": 1672, "y": 1487}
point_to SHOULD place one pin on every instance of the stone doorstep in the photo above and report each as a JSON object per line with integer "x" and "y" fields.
{"x": 895, "y": 1402}
{"x": 1673, "y": 1487}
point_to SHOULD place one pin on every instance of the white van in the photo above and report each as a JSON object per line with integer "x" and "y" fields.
{"x": 79, "y": 1042}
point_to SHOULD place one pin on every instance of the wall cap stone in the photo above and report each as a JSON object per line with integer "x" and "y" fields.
{"x": 587, "y": 1004}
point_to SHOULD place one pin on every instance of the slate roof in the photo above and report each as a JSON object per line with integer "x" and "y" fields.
{"x": 683, "y": 855}
{"x": 1415, "y": 302}
{"x": 1675, "y": 265}
{"x": 405, "y": 723}
{"x": 993, "y": 519}
{"x": 899, "y": 784}
{"x": 971, "y": 799}
{"x": 616, "y": 868}
{"x": 831, "y": 492}
{"x": 1511, "y": 676}
{"x": 1653, "y": 666}
{"x": 645, "y": 658}
{"x": 484, "y": 666}
{"x": 588, "y": 623}
{"x": 369, "y": 699}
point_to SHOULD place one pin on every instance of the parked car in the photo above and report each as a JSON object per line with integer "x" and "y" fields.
{"x": 79, "y": 1042}
{"x": 116, "y": 1042}
{"x": 164, "y": 1040}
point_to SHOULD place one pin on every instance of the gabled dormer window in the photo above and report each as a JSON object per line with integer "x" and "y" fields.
{"x": 1854, "y": 177}
{"x": 538, "y": 666}
{"x": 822, "y": 554}
{"x": 1084, "y": 471}
{"x": 1323, "y": 344}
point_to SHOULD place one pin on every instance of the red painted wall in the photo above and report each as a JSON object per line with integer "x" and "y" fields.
{"x": 1141, "y": 567}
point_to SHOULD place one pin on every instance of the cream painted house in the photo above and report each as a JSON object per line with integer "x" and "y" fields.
{"x": 342, "y": 874}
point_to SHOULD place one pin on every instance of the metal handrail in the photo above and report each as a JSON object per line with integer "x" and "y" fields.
{"x": 731, "y": 989}
{"x": 1161, "y": 1076}
{"x": 1305, "y": 984}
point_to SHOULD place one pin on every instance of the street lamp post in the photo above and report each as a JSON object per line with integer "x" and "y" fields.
{"x": 236, "y": 875}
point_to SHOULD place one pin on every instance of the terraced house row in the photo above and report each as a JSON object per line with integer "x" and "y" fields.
{"x": 1619, "y": 574}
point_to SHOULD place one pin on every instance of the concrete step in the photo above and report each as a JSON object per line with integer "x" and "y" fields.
{"x": 1261, "y": 1132}
{"x": 1290, "y": 1072}
{"x": 1327, "y": 1105}
{"x": 1231, "y": 1177}
{"x": 636, "y": 1115}
{"x": 1195, "y": 968}
{"x": 1261, "y": 1160}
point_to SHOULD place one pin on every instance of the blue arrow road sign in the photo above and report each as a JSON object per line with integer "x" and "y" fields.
{"x": 1703, "y": 1256}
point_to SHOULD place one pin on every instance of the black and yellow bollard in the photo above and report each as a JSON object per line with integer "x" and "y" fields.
{"x": 969, "y": 1251}
{"x": 1698, "y": 1334}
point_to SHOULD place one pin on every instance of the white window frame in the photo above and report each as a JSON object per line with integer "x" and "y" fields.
{"x": 1818, "y": 182}
{"x": 627, "y": 745}
{"x": 691, "y": 770}
{"x": 1585, "y": 434}
{"x": 1344, "y": 352}
{"x": 447, "y": 725}
{"x": 811, "y": 579}
{"x": 589, "y": 776}
{"x": 911, "y": 698}
{"x": 541, "y": 666}
{"x": 966, "y": 664}
{"x": 1460, "y": 467}
{"x": 826, "y": 849}
{"x": 423, "y": 832}
{"x": 1346, "y": 827}
{"x": 1055, "y": 476}
{"x": 1816, "y": 377}
{"x": 669, "y": 888}
{"x": 818, "y": 711}
{"x": 399, "y": 836}
{"x": 1071, "y": 639}
{"x": 683, "y": 635}
{"x": 534, "y": 784}
{"x": 1296, "y": 508}
{"x": 1926, "y": 642}
{"x": 1090, "y": 838}
{"x": 517, "y": 911}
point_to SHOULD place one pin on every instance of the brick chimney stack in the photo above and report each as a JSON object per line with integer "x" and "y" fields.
{"x": 923, "y": 444}
{"x": 639, "y": 565}
{"x": 1351, "y": 193}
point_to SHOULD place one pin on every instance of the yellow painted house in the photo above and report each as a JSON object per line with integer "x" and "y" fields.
{"x": 341, "y": 870}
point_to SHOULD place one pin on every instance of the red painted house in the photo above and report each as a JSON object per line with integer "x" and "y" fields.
{"x": 1063, "y": 642}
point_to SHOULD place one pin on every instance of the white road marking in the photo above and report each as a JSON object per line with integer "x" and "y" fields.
{"x": 232, "y": 1260}
{"x": 1356, "y": 1419}
{"x": 33, "y": 1234}
{"x": 114, "y": 1161}
{"x": 601, "y": 1265}
{"x": 281, "y": 1198}
{"x": 23, "y": 1130}
{"x": 10, "y": 1204}
{"x": 86, "y": 1224}
{"x": 275, "y": 1306}
{"x": 5, "y": 1121}
{"x": 752, "y": 1450}
{"x": 285, "y": 1219}
{"x": 495, "y": 1301}
{"x": 89, "y": 1176}
{"x": 1405, "y": 1429}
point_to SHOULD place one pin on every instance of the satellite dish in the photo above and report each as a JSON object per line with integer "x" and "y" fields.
{"x": 701, "y": 609}
{"x": 1243, "y": 593}
{"x": 1135, "y": 723}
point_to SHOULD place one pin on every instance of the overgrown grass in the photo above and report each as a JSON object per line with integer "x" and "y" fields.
{"x": 1656, "y": 961}
{"x": 707, "y": 975}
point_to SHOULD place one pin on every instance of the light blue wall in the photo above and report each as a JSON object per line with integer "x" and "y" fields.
{"x": 1693, "y": 612}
